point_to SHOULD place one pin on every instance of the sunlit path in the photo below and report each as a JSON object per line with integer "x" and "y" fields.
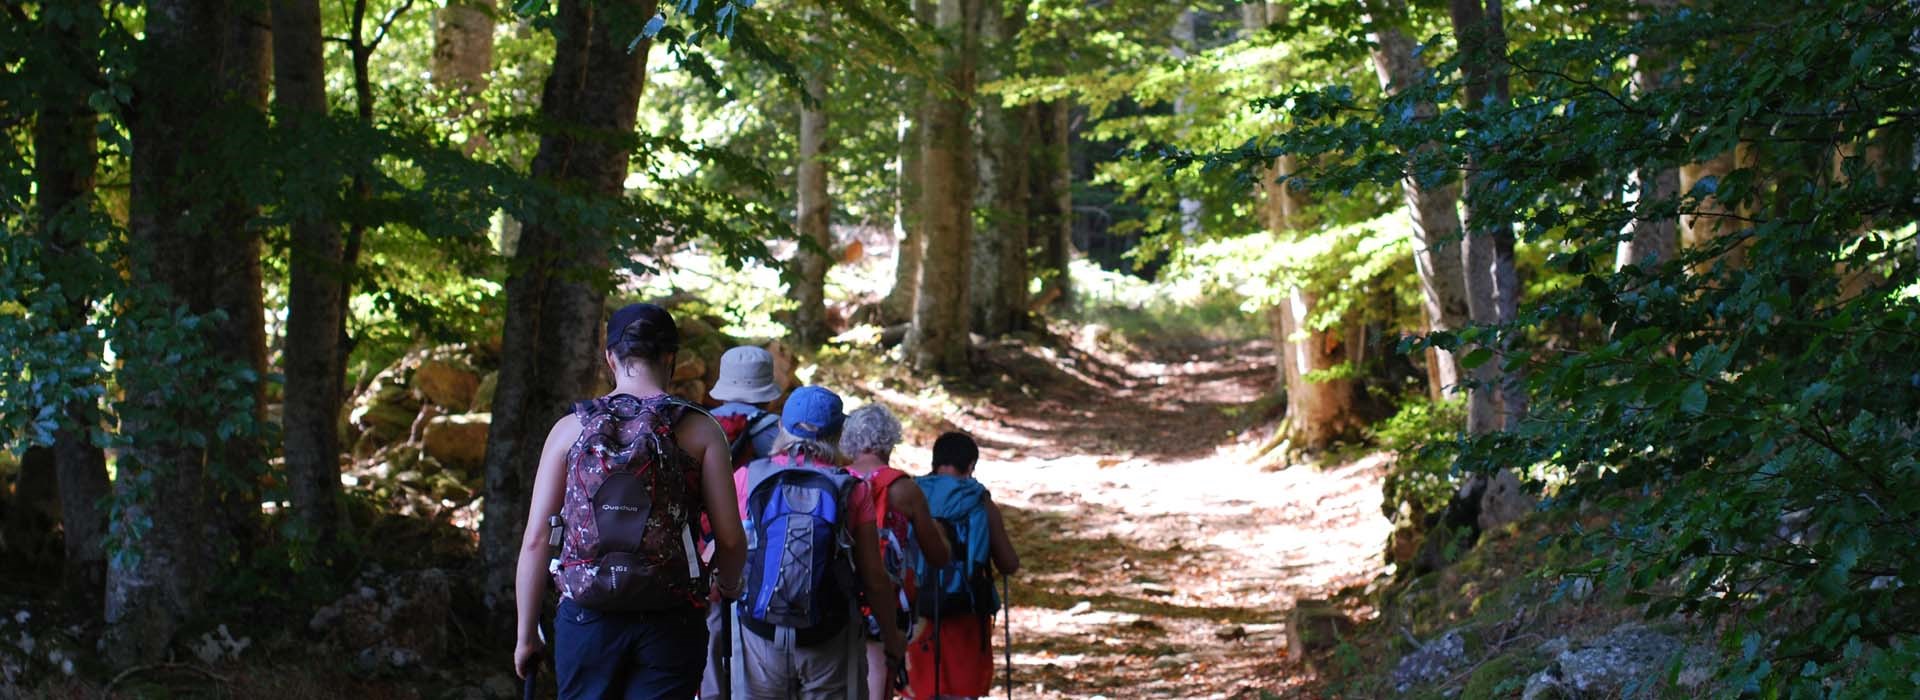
{"x": 1161, "y": 562}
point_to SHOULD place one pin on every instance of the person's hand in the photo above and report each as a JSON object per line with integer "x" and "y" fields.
{"x": 728, "y": 592}
{"x": 897, "y": 672}
{"x": 921, "y": 628}
{"x": 526, "y": 657}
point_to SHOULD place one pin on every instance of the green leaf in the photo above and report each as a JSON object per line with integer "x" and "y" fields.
{"x": 1474, "y": 359}
{"x": 1694, "y": 399}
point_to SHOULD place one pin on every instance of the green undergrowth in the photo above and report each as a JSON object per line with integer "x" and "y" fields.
{"x": 1138, "y": 310}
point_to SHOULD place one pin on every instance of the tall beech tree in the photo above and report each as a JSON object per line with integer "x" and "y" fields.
{"x": 198, "y": 118}
{"x": 1050, "y": 206}
{"x": 1433, "y": 202}
{"x": 555, "y": 295}
{"x": 316, "y": 296}
{"x": 1492, "y": 284}
{"x": 1000, "y": 267}
{"x": 66, "y": 155}
{"x": 937, "y": 340}
{"x": 813, "y": 203}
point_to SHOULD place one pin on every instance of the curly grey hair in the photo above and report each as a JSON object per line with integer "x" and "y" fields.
{"x": 870, "y": 428}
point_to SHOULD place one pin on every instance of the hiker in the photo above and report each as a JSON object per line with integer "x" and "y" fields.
{"x": 906, "y": 528}
{"x": 746, "y": 385}
{"x": 811, "y": 545}
{"x": 623, "y": 483}
{"x": 955, "y": 660}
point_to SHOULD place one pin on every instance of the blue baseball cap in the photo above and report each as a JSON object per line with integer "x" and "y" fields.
{"x": 811, "y": 412}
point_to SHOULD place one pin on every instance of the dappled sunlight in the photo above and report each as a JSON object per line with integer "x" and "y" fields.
{"x": 1160, "y": 556}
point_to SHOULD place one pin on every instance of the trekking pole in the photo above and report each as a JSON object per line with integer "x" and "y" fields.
{"x": 937, "y": 656}
{"x": 530, "y": 686}
{"x": 1006, "y": 614}
{"x": 724, "y": 678}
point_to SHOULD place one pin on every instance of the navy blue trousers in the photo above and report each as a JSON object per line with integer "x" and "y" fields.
{"x": 637, "y": 656}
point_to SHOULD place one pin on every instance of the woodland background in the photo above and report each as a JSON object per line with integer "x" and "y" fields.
{"x": 1644, "y": 270}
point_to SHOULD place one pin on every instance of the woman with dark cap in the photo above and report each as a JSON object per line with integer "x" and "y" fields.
{"x": 623, "y": 482}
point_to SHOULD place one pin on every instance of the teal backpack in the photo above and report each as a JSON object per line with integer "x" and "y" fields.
{"x": 965, "y": 585}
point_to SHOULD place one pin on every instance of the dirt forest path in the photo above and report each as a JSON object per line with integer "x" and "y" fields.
{"x": 1159, "y": 562}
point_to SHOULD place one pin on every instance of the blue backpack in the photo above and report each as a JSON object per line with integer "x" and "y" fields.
{"x": 965, "y": 585}
{"x": 799, "y": 571}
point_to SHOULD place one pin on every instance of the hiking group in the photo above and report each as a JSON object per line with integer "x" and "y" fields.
{"x": 733, "y": 552}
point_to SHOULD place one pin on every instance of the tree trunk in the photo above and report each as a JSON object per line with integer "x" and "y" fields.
{"x": 937, "y": 341}
{"x": 1492, "y": 285}
{"x": 1320, "y": 411}
{"x": 248, "y": 76}
{"x": 65, "y": 154}
{"x": 551, "y": 345}
{"x": 1492, "y": 282}
{"x": 193, "y": 100}
{"x": 910, "y": 241}
{"x": 1653, "y": 240}
{"x": 1436, "y": 217}
{"x": 462, "y": 58}
{"x": 1184, "y": 34}
{"x": 1000, "y": 250}
{"x": 814, "y": 214}
{"x": 1051, "y": 207}
{"x": 1713, "y": 217}
{"x": 316, "y": 290}
{"x": 463, "y": 46}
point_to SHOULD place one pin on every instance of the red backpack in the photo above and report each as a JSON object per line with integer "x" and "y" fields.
{"x": 633, "y": 501}
{"x": 898, "y": 550}
{"x": 740, "y": 429}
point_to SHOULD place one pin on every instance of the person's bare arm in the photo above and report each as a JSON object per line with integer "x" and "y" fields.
{"x": 702, "y": 438}
{"x": 999, "y": 544}
{"x": 905, "y": 496}
{"x": 873, "y": 576}
{"x": 530, "y": 572}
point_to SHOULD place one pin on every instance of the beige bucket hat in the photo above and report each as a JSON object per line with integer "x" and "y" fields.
{"x": 746, "y": 376}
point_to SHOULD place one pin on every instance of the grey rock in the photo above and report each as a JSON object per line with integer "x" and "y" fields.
{"x": 390, "y": 622}
{"x": 1629, "y": 655}
{"x": 1626, "y": 662}
{"x": 1543, "y": 686}
{"x": 1433, "y": 661}
{"x": 1503, "y": 501}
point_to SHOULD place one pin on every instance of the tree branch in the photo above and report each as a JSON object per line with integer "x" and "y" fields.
{"x": 386, "y": 23}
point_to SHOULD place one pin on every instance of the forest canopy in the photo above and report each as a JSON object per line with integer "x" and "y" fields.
{"x": 1647, "y": 264}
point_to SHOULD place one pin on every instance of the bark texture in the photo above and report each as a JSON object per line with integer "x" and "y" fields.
{"x": 65, "y": 154}
{"x": 551, "y": 344}
{"x": 1320, "y": 409}
{"x": 463, "y": 59}
{"x": 316, "y": 289}
{"x": 1492, "y": 284}
{"x": 909, "y": 241}
{"x": 463, "y": 46}
{"x": 1436, "y": 217}
{"x": 937, "y": 341}
{"x": 1712, "y": 217}
{"x": 1050, "y": 209}
{"x": 197, "y": 114}
{"x": 814, "y": 215}
{"x": 1000, "y": 249}
{"x": 1654, "y": 240}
